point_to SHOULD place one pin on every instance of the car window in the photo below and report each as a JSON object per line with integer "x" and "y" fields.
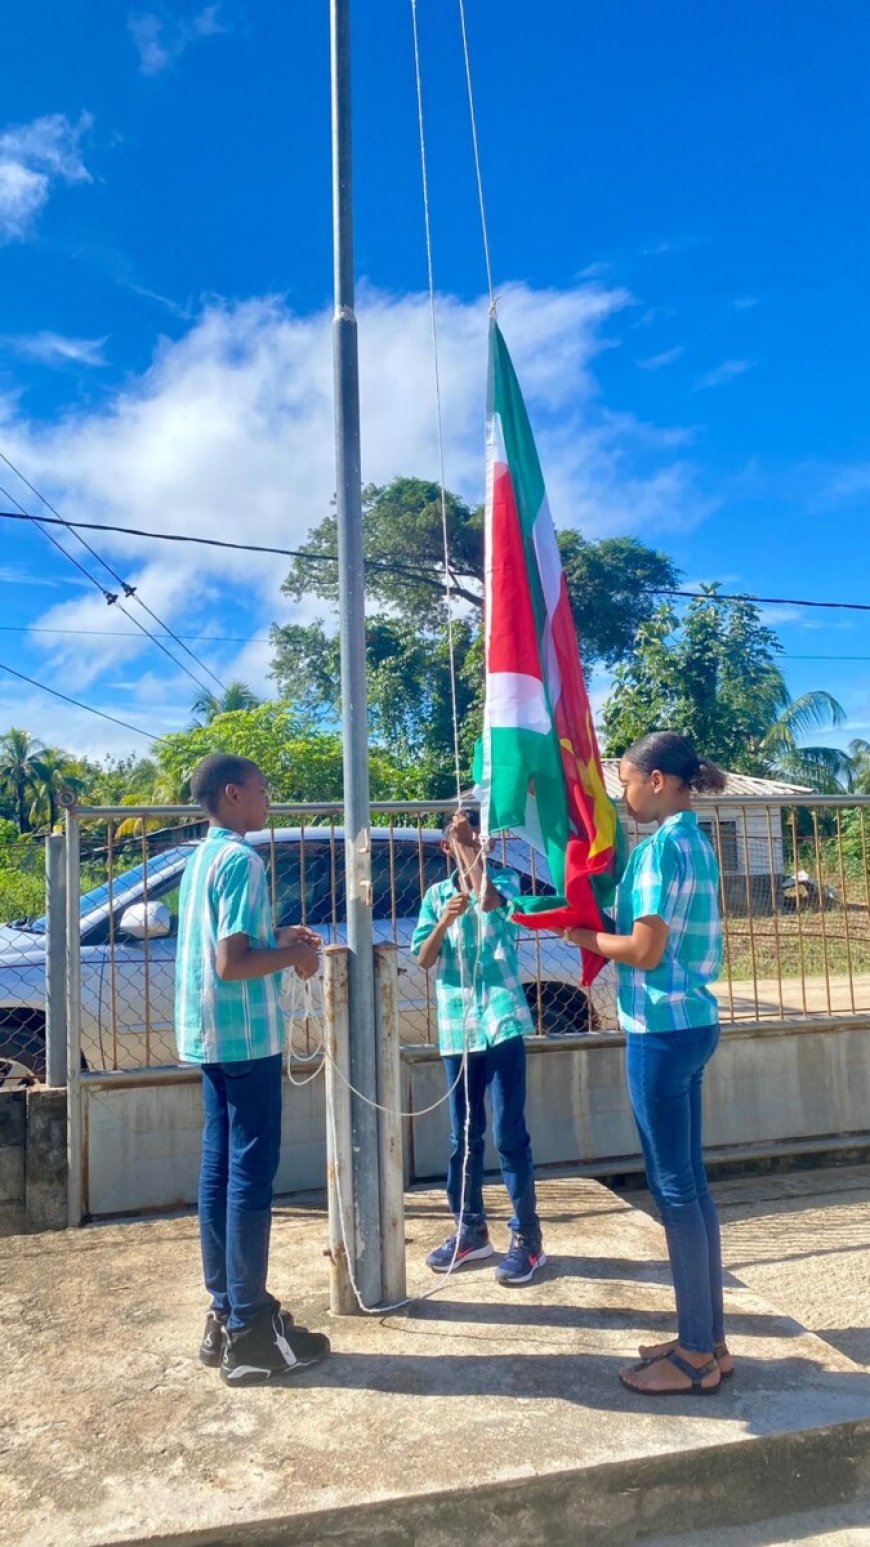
{"x": 300, "y": 876}
{"x": 401, "y": 873}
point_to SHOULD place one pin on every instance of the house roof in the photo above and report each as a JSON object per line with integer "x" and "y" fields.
{"x": 736, "y": 784}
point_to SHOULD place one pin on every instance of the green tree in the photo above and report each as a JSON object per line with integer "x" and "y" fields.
{"x": 237, "y": 695}
{"x": 299, "y": 764}
{"x": 714, "y": 676}
{"x": 54, "y": 771}
{"x": 19, "y": 758}
{"x": 612, "y": 585}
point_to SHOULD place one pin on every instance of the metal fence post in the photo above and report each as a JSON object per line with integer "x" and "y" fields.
{"x": 74, "y": 1125}
{"x": 55, "y": 960}
{"x": 339, "y": 1142}
{"x": 394, "y": 1285}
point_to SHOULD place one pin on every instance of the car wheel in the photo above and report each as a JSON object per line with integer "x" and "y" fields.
{"x": 558, "y": 1009}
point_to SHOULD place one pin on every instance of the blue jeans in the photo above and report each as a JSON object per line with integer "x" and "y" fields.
{"x": 665, "y": 1074}
{"x": 241, "y": 1146}
{"x": 501, "y": 1070}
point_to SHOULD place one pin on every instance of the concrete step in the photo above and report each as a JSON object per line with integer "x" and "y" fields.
{"x": 483, "y": 1414}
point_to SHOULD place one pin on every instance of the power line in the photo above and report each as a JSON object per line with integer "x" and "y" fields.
{"x": 126, "y": 633}
{"x": 13, "y": 516}
{"x": 111, "y": 598}
{"x": 77, "y": 703}
{"x": 776, "y": 601}
{"x": 216, "y": 542}
{"x": 260, "y": 639}
{"x": 399, "y": 569}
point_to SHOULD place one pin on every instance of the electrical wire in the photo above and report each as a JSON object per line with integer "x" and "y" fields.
{"x": 130, "y": 592}
{"x": 78, "y": 704}
{"x": 397, "y": 569}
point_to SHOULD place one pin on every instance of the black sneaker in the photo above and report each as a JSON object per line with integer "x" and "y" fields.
{"x": 269, "y": 1349}
{"x": 212, "y": 1345}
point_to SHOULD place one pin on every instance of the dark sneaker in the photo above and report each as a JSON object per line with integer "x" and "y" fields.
{"x": 270, "y": 1349}
{"x": 472, "y": 1248}
{"x": 212, "y": 1345}
{"x": 522, "y": 1261}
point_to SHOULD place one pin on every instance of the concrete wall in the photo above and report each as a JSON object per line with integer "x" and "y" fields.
{"x": 143, "y": 1141}
{"x": 32, "y": 1161}
{"x": 770, "y": 1088}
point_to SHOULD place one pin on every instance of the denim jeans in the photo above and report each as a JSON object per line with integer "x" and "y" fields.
{"x": 665, "y": 1074}
{"x": 241, "y": 1145}
{"x": 501, "y": 1070}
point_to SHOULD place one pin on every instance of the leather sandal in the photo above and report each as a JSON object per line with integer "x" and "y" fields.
{"x": 696, "y": 1373}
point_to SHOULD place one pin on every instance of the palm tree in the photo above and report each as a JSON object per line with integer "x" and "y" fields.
{"x": 54, "y": 770}
{"x": 207, "y": 706}
{"x": 859, "y": 756}
{"x": 827, "y": 769}
{"x": 19, "y": 757}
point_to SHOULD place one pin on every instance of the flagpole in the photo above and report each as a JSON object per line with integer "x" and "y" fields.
{"x": 354, "y": 716}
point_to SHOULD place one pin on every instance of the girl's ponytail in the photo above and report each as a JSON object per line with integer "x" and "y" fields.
{"x": 668, "y": 753}
{"x": 709, "y": 780}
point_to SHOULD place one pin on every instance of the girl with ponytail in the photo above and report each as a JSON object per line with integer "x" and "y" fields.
{"x": 668, "y": 950}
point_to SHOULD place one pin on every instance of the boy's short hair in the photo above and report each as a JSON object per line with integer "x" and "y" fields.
{"x": 211, "y": 777}
{"x": 472, "y": 817}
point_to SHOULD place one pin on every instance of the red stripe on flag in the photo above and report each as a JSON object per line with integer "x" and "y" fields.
{"x": 581, "y": 762}
{"x": 513, "y": 637}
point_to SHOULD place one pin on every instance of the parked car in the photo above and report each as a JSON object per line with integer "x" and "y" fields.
{"x": 128, "y": 946}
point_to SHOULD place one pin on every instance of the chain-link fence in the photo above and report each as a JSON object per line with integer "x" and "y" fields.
{"x": 22, "y": 962}
{"x": 795, "y": 900}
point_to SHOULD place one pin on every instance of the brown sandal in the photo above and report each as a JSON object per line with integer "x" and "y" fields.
{"x": 720, "y": 1350}
{"x": 696, "y": 1374}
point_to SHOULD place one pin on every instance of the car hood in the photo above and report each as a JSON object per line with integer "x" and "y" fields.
{"x": 20, "y": 946}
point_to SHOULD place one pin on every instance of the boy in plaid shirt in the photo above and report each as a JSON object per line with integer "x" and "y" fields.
{"x": 228, "y": 1021}
{"x": 465, "y": 932}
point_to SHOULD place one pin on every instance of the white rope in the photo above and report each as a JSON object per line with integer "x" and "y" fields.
{"x": 474, "y": 142}
{"x": 430, "y": 272}
{"x": 290, "y": 989}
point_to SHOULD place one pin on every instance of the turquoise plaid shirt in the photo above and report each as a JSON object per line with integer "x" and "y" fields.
{"x": 673, "y": 876}
{"x": 486, "y": 1005}
{"x": 224, "y": 892}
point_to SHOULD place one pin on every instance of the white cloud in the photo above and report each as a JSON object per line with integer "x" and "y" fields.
{"x": 33, "y": 157}
{"x": 656, "y": 362}
{"x": 162, "y": 41}
{"x": 745, "y": 303}
{"x": 729, "y": 370}
{"x": 229, "y": 434}
{"x": 55, "y": 349}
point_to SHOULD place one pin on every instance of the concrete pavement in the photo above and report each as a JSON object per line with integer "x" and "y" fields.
{"x": 484, "y": 1413}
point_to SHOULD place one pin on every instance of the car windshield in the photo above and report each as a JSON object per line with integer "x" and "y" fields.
{"x": 128, "y": 881}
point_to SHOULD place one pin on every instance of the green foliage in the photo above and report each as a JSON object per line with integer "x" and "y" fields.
{"x": 22, "y": 875}
{"x": 237, "y": 695}
{"x": 19, "y": 755}
{"x": 299, "y": 764}
{"x": 611, "y": 583}
{"x": 713, "y": 676}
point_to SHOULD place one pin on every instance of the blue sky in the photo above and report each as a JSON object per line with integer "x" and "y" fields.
{"x": 680, "y": 235}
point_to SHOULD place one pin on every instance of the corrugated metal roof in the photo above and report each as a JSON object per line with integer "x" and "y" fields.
{"x": 737, "y": 784}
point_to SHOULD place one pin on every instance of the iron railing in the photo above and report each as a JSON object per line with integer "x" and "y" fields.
{"x": 795, "y": 901}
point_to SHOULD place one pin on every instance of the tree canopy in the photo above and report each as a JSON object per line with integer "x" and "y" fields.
{"x": 714, "y": 676}
{"x": 612, "y": 584}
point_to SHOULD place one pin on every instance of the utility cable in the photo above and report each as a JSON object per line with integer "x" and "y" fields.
{"x": 130, "y": 592}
